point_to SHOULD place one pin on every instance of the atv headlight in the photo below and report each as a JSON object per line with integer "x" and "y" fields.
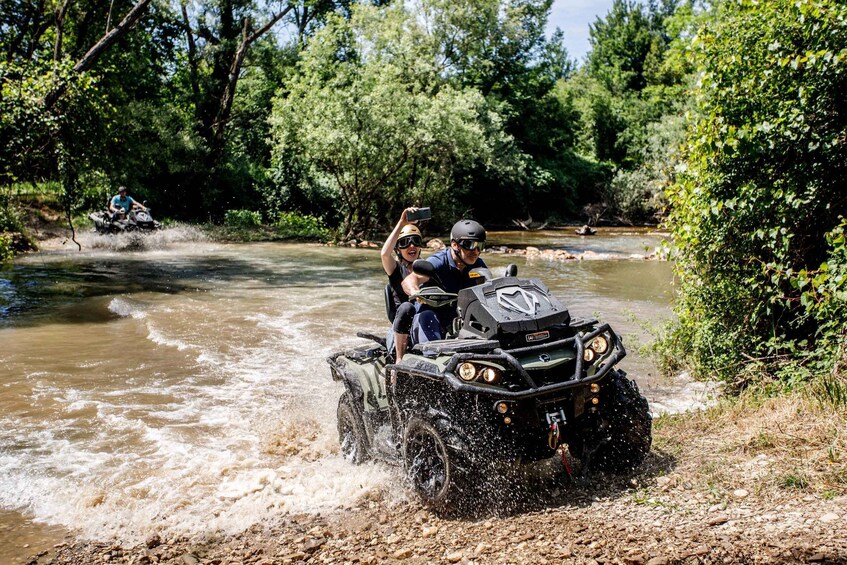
{"x": 467, "y": 371}
{"x": 588, "y": 355}
{"x": 600, "y": 344}
{"x": 490, "y": 375}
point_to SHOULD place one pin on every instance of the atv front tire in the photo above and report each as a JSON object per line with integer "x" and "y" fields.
{"x": 624, "y": 435}
{"x": 351, "y": 432}
{"x": 432, "y": 463}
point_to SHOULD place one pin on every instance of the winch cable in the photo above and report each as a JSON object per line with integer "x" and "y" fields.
{"x": 553, "y": 443}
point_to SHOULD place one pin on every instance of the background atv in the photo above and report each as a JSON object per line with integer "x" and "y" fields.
{"x": 519, "y": 379}
{"x": 135, "y": 220}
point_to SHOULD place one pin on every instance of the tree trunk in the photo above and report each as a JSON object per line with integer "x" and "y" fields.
{"x": 225, "y": 107}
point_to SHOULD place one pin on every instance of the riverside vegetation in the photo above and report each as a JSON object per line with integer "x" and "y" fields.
{"x": 725, "y": 118}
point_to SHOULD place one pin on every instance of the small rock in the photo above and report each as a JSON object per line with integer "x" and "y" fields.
{"x": 663, "y": 481}
{"x": 829, "y": 517}
{"x": 153, "y": 541}
{"x": 429, "y": 531}
{"x": 658, "y": 561}
{"x": 313, "y": 545}
{"x": 404, "y": 553}
{"x": 454, "y": 557}
{"x": 740, "y": 493}
{"x": 189, "y": 559}
{"x": 718, "y": 520}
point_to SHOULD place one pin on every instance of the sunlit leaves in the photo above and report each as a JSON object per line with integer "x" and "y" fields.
{"x": 382, "y": 125}
{"x": 753, "y": 214}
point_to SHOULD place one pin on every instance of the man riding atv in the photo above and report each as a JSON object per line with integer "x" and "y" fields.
{"x": 121, "y": 204}
{"x": 124, "y": 214}
{"x": 515, "y": 381}
{"x": 454, "y": 270}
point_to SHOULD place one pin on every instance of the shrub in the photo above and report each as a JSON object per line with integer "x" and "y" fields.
{"x": 760, "y": 254}
{"x": 242, "y": 219}
{"x": 6, "y": 252}
{"x": 293, "y": 225}
{"x": 9, "y": 220}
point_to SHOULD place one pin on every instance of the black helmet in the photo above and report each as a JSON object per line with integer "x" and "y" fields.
{"x": 467, "y": 229}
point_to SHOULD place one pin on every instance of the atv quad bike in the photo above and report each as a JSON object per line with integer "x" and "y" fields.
{"x": 518, "y": 380}
{"x": 134, "y": 221}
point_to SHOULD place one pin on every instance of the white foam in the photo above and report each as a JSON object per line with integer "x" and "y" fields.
{"x": 682, "y": 394}
{"x": 126, "y": 308}
{"x": 135, "y": 241}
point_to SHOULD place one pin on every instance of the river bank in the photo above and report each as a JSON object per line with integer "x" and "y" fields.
{"x": 751, "y": 481}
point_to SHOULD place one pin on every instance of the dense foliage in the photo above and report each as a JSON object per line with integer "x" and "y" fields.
{"x": 464, "y": 105}
{"x": 757, "y": 213}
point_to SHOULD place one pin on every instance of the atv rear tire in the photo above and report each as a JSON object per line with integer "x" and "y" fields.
{"x": 432, "y": 464}
{"x": 351, "y": 432}
{"x": 624, "y": 437}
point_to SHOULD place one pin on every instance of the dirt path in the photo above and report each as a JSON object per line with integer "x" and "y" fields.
{"x": 758, "y": 481}
{"x": 627, "y": 524}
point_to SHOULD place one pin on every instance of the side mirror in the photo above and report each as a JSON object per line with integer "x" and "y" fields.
{"x": 423, "y": 267}
{"x": 511, "y": 270}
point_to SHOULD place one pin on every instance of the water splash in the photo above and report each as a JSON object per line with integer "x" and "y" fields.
{"x": 134, "y": 241}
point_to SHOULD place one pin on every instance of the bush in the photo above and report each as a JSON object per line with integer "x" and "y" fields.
{"x": 6, "y": 252}
{"x": 760, "y": 254}
{"x": 242, "y": 219}
{"x": 9, "y": 220}
{"x": 293, "y": 225}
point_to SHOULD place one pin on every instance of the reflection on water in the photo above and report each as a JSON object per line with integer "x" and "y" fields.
{"x": 185, "y": 389}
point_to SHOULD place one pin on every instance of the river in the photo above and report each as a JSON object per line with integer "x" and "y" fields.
{"x": 182, "y": 388}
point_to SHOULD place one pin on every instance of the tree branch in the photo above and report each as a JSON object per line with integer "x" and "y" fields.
{"x": 103, "y": 45}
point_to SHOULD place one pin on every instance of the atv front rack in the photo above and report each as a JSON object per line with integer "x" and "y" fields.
{"x": 506, "y": 357}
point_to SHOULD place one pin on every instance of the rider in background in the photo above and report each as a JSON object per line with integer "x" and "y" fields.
{"x": 452, "y": 265}
{"x": 405, "y": 243}
{"x": 122, "y": 203}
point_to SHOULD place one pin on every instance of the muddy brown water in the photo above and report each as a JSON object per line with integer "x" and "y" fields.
{"x": 182, "y": 388}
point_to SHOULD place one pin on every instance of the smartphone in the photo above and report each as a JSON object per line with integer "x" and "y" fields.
{"x": 419, "y": 214}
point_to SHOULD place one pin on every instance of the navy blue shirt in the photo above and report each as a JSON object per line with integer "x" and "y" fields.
{"x": 453, "y": 280}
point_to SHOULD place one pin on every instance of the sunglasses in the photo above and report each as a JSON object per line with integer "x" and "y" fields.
{"x": 409, "y": 240}
{"x": 471, "y": 244}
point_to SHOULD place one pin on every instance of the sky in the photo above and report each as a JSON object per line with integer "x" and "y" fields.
{"x": 573, "y": 16}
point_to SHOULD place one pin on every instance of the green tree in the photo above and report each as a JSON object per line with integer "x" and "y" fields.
{"x": 756, "y": 211}
{"x": 370, "y": 115}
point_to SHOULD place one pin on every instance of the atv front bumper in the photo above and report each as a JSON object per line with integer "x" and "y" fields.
{"x": 508, "y": 359}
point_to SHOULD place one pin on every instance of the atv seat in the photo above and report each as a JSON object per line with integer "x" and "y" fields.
{"x": 390, "y": 306}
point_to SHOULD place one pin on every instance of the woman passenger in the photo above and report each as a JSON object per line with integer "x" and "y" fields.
{"x": 399, "y": 251}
